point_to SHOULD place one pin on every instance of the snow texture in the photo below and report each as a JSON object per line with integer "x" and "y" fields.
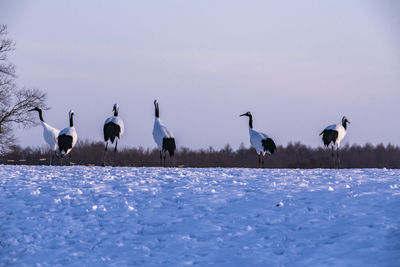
{"x": 93, "y": 216}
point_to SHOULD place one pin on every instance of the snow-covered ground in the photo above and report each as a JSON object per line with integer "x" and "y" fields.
{"x": 93, "y": 216}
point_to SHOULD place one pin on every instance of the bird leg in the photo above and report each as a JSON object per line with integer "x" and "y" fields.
{"x": 115, "y": 151}
{"x": 173, "y": 161}
{"x": 55, "y": 154}
{"x": 338, "y": 157}
{"x": 104, "y": 155}
{"x": 160, "y": 158}
{"x": 333, "y": 157}
{"x": 164, "y": 156}
{"x": 262, "y": 162}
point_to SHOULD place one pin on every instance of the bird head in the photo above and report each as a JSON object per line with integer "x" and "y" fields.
{"x": 35, "y": 109}
{"x": 248, "y": 114}
{"x": 157, "y": 109}
{"x": 71, "y": 120}
{"x": 345, "y": 120}
{"x": 115, "y": 109}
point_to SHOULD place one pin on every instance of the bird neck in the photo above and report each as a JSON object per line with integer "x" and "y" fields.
{"x": 40, "y": 115}
{"x": 344, "y": 124}
{"x": 71, "y": 120}
{"x": 251, "y": 122}
{"x": 115, "y": 113}
{"x": 157, "y": 112}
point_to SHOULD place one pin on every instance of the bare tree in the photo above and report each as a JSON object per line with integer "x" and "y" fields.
{"x": 15, "y": 103}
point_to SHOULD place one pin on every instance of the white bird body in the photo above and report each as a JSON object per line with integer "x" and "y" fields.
{"x": 341, "y": 132}
{"x": 163, "y": 137}
{"x": 334, "y": 134}
{"x": 256, "y": 141}
{"x": 67, "y": 138}
{"x": 118, "y": 121}
{"x": 160, "y": 131}
{"x": 69, "y": 131}
{"x": 50, "y": 135}
{"x": 260, "y": 141}
{"x": 113, "y": 130}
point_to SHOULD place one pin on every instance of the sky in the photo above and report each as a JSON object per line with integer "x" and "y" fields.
{"x": 298, "y": 66}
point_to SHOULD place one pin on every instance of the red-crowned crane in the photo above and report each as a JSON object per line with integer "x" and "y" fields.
{"x": 67, "y": 138}
{"x": 260, "y": 141}
{"x": 163, "y": 137}
{"x": 50, "y": 134}
{"x": 113, "y": 130}
{"x": 334, "y": 134}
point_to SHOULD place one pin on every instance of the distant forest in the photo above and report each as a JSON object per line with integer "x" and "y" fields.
{"x": 294, "y": 155}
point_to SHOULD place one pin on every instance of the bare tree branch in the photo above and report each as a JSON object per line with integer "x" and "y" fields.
{"x": 6, "y": 46}
{"x": 14, "y": 103}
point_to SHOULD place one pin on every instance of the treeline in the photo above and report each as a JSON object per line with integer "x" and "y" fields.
{"x": 294, "y": 155}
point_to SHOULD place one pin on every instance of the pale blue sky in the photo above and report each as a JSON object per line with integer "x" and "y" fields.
{"x": 296, "y": 65}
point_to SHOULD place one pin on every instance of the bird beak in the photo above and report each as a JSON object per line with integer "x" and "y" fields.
{"x": 32, "y": 109}
{"x": 348, "y": 122}
{"x": 244, "y": 114}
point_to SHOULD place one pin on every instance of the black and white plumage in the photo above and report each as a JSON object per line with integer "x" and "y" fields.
{"x": 50, "y": 134}
{"x": 260, "y": 141}
{"x": 113, "y": 130}
{"x": 334, "y": 134}
{"x": 163, "y": 137}
{"x": 68, "y": 137}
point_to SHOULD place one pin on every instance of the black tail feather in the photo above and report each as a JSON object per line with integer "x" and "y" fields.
{"x": 169, "y": 145}
{"x": 111, "y": 130}
{"x": 269, "y": 145}
{"x": 329, "y": 136}
{"x": 64, "y": 143}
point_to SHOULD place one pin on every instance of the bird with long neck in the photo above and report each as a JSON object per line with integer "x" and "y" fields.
{"x": 334, "y": 134}
{"x": 113, "y": 130}
{"x": 260, "y": 141}
{"x": 163, "y": 137}
{"x": 50, "y": 135}
{"x": 67, "y": 138}
{"x": 248, "y": 114}
{"x": 344, "y": 122}
{"x": 156, "y": 109}
{"x": 39, "y": 110}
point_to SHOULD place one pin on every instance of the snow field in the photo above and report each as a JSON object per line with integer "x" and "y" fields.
{"x": 93, "y": 216}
